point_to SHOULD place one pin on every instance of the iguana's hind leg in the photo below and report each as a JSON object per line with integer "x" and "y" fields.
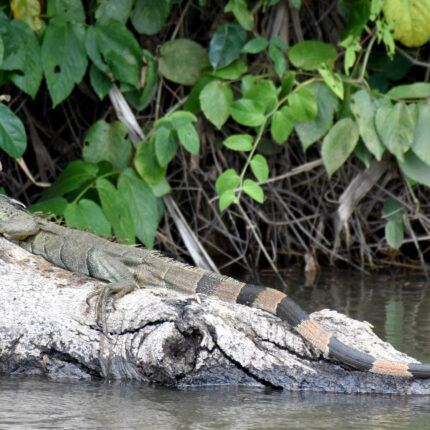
{"x": 103, "y": 292}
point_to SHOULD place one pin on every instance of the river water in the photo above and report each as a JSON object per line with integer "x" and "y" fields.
{"x": 398, "y": 307}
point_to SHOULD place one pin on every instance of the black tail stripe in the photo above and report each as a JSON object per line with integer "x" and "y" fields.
{"x": 249, "y": 293}
{"x": 290, "y": 311}
{"x": 349, "y": 356}
{"x": 419, "y": 370}
{"x": 208, "y": 284}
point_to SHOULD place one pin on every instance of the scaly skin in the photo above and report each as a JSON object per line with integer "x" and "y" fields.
{"x": 126, "y": 268}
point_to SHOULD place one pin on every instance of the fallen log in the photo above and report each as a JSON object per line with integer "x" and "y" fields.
{"x": 159, "y": 336}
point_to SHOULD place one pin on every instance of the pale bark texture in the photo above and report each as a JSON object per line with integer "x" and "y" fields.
{"x": 160, "y": 336}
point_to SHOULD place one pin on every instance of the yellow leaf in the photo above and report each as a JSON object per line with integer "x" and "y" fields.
{"x": 412, "y": 19}
{"x": 27, "y": 11}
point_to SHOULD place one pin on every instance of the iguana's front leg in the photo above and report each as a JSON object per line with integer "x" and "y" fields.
{"x": 103, "y": 265}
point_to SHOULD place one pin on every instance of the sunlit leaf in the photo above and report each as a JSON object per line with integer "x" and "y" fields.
{"x": 215, "y": 101}
{"x": 260, "y": 168}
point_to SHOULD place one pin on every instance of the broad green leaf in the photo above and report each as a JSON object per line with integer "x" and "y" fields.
{"x": 288, "y": 82}
{"x": 248, "y": 112}
{"x": 239, "y": 142}
{"x": 149, "y": 16}
{"x": 21, "y": 57}
{"x": 311, "y": 54}
{"x": 215, "y": 101}
{"x": 228, "y": 180}
{"x": 13, "y": 139}
{"x": 193, "y": 102}
{"x": 393, "y": 210}
{"x": 260, "y": 168}
{"x": 414, "y": 168}
{"x": 303, "y": 104}
{"x": 282, "y": 124}
{"x": 418, "y": 90}
{"x": 253, "y": 190}
{"x": 99, "y": 81}
{"x": 146, "y": 163}
{"x": 247, "y": 82}
{"x": 160, "y": 189}
{"x": 394, "y": 234}
{"x": 114, "y": 9}
{"x": 105, "y": 141}
{"x": 56, "y": 206}
{"x": 421, "y": 144}
{"x": 333, "y": 80}
{"x": 182, "y": 61}
{"x": 279, "y": 61}
{"x": 166, "y": 143}
{"x": 264, "y": 92}
{"x": 1, "y": 49}
{"x": 116, "y": 210}
{"x": 87, "y": 215}
{"x": 364, "y": 108}
{"x": 71, "y": 178}
{"x": 113, "y": 49}
{"x": 176, "y": 120}
{"x": 142, "y": 204}
{"x": 339, "y": 144}
{"x": 64, "y": 58}
{"x": 254, "y": 46}
{"x": 396, "y": 127}
{"x": 240, "y": 10}
{"x": 311, "y": 131}
{"x": 142, "y": 97}
{"x": 71, "y": 10}
{"x": 226, "y": 199}
{"x": 27, "y": 11}
{"x": 232, "y": 71}
{"x": 189, "y": 138}
{"x": 226, "y": 44}
{"x": 411, "y": 18}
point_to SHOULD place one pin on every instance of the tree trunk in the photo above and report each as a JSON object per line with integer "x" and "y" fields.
{"x": 160, "y": 336}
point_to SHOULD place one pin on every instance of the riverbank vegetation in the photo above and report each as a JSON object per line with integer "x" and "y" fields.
{"x": 285, "y": 131}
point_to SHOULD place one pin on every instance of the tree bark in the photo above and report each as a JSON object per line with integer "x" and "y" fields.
{"x": 160, "y": 336}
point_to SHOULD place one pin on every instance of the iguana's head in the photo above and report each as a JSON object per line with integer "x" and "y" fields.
{"x": 15, "y": 222}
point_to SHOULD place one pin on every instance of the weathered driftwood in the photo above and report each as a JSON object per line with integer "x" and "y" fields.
{"x": 160, "y": 336}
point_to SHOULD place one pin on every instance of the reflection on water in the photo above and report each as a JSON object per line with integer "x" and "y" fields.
{"x": 399, "y": 309}
{"x": 40, "y": 404}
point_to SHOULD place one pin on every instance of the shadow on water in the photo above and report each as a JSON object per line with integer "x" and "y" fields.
{"x": 399, "y": 308}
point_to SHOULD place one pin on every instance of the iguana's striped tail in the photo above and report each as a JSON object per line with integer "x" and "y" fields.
{"x": 277, "y": 303}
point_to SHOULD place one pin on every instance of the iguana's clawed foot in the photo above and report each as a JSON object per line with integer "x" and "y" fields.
{"x": 103, "y": 292}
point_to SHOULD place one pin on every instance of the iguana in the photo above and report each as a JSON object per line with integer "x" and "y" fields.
{"x": 127, "y": 267}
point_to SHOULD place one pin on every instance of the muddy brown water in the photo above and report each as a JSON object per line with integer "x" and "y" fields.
{"x": 397, "y": 306}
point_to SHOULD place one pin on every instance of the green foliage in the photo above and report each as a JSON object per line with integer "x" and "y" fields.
{"x": 182, "y": 61}
{"x": 12, "y": 133}
{"x": 240, "y": 88}
{"x": 226, "y": 44}
{"x": 215, "y": 101}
